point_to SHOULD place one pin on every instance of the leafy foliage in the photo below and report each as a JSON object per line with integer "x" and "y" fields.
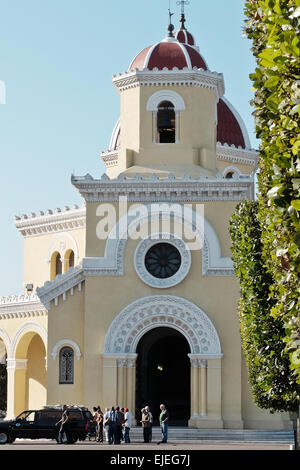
{"x": 274, "y": 27}
{"x": 273, "y": 386}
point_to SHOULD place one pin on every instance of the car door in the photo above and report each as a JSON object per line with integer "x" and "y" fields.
{"x": 25, "y": 425}
{"x": 46, "y": 423}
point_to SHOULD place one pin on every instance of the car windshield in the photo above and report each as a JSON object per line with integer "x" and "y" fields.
{"x": 27, "y": 415}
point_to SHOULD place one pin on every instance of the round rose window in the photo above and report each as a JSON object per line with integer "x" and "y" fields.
{"x": 163, "y": 260}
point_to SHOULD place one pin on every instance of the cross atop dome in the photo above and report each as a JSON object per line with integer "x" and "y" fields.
{"x": 182, "y": 19}
{"x": 171, "y": 26}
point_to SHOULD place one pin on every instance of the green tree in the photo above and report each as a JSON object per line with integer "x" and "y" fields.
{"x": 266, "y": 235}
{"x": 273, "y": 385}
{"x": 274, "y": 27}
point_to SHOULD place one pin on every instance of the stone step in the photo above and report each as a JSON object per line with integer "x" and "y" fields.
{"x": 244, "y": 435}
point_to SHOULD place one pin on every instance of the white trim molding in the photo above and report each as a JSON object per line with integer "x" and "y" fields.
{"x": 145, "y": 314}
{"x": 62, "y": 284}
{"x": 165, "y": 95}
{"x": 16, "y": 364}
{"x": 5, "y": 339}
{"x": 146, "y": 244}
{"x": 21, "y": 306}
{"x": 171, "y": 188}
{"x": 190, "y": 77}
{"x": 59, "y": 220}
{"x": 66, "y": 342}
{"x": 231, "y": 169}
{"x": 52, "y": 249}
{"x": 30, "y": 327}
{"x": 113, "y": 261}
{"x": 114, "y": 136}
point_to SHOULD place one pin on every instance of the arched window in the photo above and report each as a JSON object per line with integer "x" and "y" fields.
{"x": 66, "y": 365}
{"x": 69, "y": 260}
{"x": 56, "y": 265}
{"x": 166, "y": 123}
{"x": 229, "y": 175}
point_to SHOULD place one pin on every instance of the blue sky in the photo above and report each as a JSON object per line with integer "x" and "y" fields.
{"x": 57, "y": 59}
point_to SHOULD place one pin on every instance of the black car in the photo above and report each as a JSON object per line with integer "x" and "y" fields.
{"x": 41, "y": 424}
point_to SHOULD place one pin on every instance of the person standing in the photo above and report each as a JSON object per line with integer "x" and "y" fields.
{"x": 112, "y": 427}
{"x": 106, "y": 418}
{"x": 146, "y": 425}
{"x": 127, "y": 425}
{"x": 163, "y": 421}
{"x": 63, "y": 434}
{"x": 94, "y": 421}
{"x": 120, "y": 421}
{"x": 151, "y": 422}
{"x": 99, "y": 425}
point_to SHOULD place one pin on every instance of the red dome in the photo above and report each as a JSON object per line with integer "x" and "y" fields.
{"x": 185, "y": 37}
{"x": 168, "y": 54}
{"x": 229, "y": 130}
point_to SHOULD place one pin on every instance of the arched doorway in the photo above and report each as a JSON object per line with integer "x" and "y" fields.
{"x": 30, "y": 372}
{"x": 163, "y": 374}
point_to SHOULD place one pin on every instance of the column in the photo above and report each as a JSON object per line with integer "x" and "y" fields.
{"x": 154, "y": 127}
{"x": 203, "y": 387}
{"x": 194, "y": 388}
{"x": 121, "y": 363}
{"x": 214, "y": 391}
{"x": 16, "y": 377}
{"x": 177, "y": 127}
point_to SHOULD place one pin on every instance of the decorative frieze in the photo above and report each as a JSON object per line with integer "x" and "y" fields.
{"x": 162, "y": 311}
{"x": 21, "y": 306}
{"x": 59, "y": 220}
{"x": 175, "y": 77}
{"x": 154, "y": 189}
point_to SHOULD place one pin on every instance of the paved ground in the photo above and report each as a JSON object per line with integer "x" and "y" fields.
{"x": 171, "y": 446}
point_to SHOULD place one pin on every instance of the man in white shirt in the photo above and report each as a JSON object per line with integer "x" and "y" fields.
{"x": 127, "y": 425}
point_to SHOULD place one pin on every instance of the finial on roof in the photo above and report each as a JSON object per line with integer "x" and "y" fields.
{"x": 171, "y": 26}
{"x": 182, "y": 19}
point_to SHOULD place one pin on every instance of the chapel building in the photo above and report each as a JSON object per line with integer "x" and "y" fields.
{"x": 131, "y": 299}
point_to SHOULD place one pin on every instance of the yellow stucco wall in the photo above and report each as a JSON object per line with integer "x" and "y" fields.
{"x": 38, "y": 251}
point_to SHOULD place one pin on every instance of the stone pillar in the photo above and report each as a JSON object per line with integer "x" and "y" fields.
{"x": 203, "y": 387}
{"x": 177, "y": 127}
{"x": 16, "y": 378}
{"x": 206, "y": 397}
{"x": 121, "y": 363}
{"x": 119, "y": 374}
{"x": 194, "y": 388}
{"x": 154, "y": 127}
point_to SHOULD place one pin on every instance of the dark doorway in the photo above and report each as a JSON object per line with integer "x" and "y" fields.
{"x": 163, "y": 375}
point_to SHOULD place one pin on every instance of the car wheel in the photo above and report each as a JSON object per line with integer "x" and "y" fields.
{"x": 4, "y": 438}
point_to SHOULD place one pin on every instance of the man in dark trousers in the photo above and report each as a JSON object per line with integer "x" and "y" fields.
{"x": 112, "y": 427}
{"x": 63, "y": 434}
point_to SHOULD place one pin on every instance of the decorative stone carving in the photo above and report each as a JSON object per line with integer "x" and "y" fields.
{"x": 162, "y": 311}
{"x": 145, "y": 245}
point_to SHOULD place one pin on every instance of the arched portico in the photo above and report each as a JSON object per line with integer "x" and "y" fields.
{"x": 26, "y": 369}
{"x": 134, "y": 321}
